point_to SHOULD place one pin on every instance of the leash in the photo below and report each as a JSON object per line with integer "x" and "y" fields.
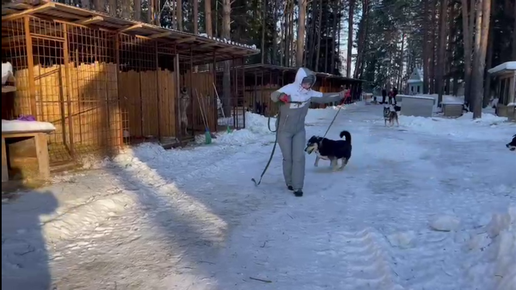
{"x": 332, "y": 121}
{"x": 256, "y": 183}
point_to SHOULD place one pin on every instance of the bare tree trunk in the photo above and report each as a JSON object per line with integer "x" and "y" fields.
{"x": 264, "y": 4}
{"x": 449, "y": 54}
{"x": 400, "y": 80}
{"x": 86, "y": 4}
{"x": 426, "y": 50}
{"x": 208, "y": 21}
{"x": 274, "y": 55}
{"x": 467, "y": 37}
{"x": 489, "y": 60}
{"x": 361, "y": 39}
{"x": 226, "y": 78}
{"x": 514, "y": 35}
{"x": 195, "y": 17}
{"x": 350, "y": 37}
{"x": 338, "y": 46}
{"x": 112, "y": 8}
{"x": 291, "y": 56}
{"x": 334, "y": 36}
{"x": 301, "y": 33}
{"x": 483, "y": 27}
{"x": 179, "y": 14}
{"x": 137, "y": 10}
{"x": 319, "y": 27}
{"x": 442, "y": 51}
{"x": 433, "y": 36}
{"x": 99, "y": 5}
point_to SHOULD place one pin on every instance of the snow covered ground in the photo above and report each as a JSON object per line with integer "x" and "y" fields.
{"x": 428, "y": 205}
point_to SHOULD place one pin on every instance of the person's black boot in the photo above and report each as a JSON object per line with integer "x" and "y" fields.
{"x": 298, "y": 193}
{"x": 290, "y": 187}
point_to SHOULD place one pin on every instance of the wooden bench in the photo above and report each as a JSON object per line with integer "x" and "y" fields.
{"x": 24, "y": 149}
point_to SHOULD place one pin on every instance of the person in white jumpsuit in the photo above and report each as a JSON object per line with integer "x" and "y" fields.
{"x": 295, "y": 100}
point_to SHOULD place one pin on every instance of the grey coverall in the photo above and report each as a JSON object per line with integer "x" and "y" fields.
{"x": 291, "y": 124}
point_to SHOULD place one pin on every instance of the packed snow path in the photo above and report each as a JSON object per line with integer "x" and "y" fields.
{"x": 192, "y": 219}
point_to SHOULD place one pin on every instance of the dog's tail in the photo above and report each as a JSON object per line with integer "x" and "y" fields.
{"x": 346, "y": 134}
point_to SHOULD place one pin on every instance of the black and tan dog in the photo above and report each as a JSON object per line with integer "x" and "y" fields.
{"x": 390, "y": 116}
{"x": 333, "y": 150}
{"x": 512, "y": 144}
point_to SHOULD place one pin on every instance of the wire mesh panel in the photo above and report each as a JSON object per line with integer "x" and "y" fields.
{"x": 93, "y": 96}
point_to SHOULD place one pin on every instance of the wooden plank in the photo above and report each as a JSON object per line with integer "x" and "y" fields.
{"x": 129, "y": 28}
{"x": 42, "y": 153}
{"x": 91, "y": 20}
{"x": 8, "y": 89}
{"x": 159, "y": 35}
{"x": 5, "y": 169}
{"x": 187, "y": 39}
{"x": 29, "y": 11}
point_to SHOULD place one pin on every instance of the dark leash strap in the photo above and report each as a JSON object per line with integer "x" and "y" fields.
{"x": 332, "y": 121}
{"x": 256, "y": 183}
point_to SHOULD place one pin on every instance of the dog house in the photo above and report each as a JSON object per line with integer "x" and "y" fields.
{"x": 418, "y": 106}
{"x": 505, "y": 75}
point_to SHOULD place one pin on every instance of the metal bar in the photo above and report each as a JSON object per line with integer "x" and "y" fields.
{"x": 117, "y": 59}
{"x": 243, "y": 87}
{"x": 68, "y": 89}
{"x": 190, "y": 86}
{"x": 158, "y": 90}
{"x": 30, "y": 67}
{"x": 177, "y": 105}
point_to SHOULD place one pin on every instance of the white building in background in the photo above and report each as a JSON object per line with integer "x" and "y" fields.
{"x": 415, "y": 82}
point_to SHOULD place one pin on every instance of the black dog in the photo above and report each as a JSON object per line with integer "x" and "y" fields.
{"x": 331, "y": 150}
{"x": 512, "y": 144}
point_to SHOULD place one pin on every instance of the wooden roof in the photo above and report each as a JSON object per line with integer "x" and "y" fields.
{"x": 251, "y": 68}
{"x": 208, "y": 49}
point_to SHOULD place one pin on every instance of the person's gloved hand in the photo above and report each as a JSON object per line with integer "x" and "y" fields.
{"x": 284, "y": 98}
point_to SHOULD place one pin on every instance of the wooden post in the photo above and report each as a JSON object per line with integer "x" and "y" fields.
{"x": 40, "y": 139}
{"x": 30, "y": 67}
{"x": 120, "y": 111}
{"x": 5, "y": 168}
{"x": 178, "y": 85}
{"x": 68, "y": 89}
{"x": 158, "y": 90}
{"x": 243, "y": 88}
{"x": 191, "y": 92}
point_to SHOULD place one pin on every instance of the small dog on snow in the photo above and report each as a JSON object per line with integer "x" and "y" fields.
{"x": 333, "y": 150}
{"x": 512, "y": 144}
{"x": 390, "y": 116}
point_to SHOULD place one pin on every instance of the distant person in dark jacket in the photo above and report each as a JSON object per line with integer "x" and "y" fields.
{"x": 392, "y": 98}
{"x": 384, "y": 95}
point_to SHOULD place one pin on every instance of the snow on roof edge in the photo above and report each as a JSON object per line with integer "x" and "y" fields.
{"x": 510, "y": 65}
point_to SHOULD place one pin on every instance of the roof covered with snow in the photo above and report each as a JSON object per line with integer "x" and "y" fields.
{"x": 504, "y": 67}
{"x": 185, "y": 43}
{"x": 260, "y": 67}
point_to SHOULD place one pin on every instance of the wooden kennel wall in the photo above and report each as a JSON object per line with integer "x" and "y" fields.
{"x": 105, "y": 82}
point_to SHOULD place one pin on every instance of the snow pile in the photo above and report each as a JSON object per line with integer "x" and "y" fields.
{"x": 464, "y": 127}
{"x": 26, "y": 126}
{"x": 445, "y": 223}
{"x": 493, "y": 254}
{"x": 256, "y": 129}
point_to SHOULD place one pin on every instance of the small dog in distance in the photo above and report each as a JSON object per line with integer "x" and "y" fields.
{"x": 390, "y": 116}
